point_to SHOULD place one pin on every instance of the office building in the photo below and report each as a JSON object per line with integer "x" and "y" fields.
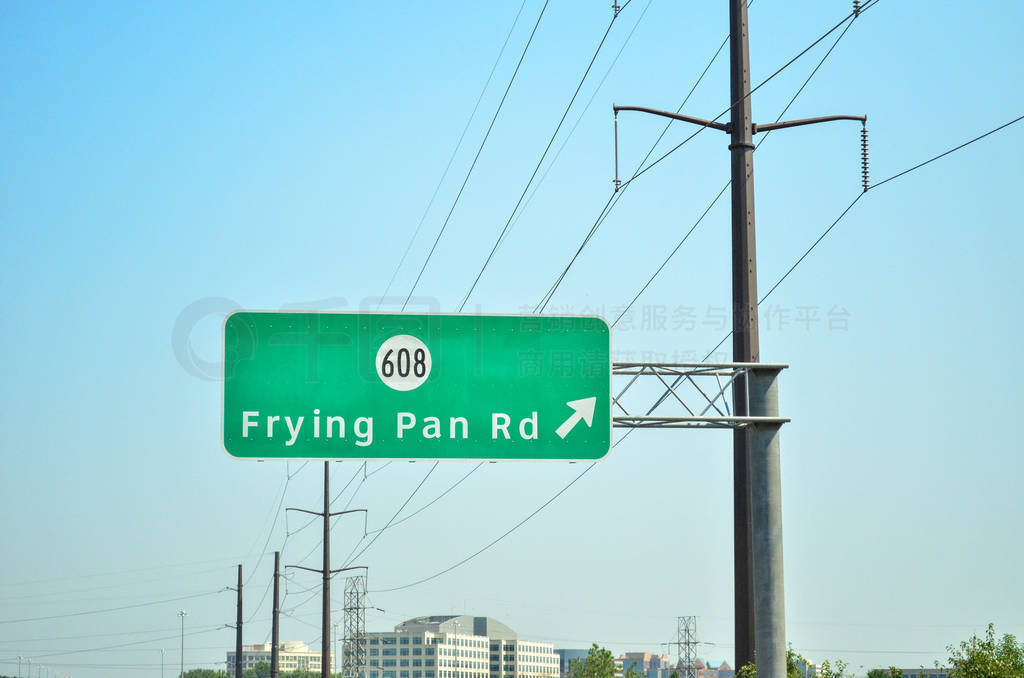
{"x": 457, "y": 646}
{"x": 293, "y": 655}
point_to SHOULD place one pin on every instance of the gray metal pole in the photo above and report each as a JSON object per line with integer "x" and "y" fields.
{"x": 184, "y": 614}
{"x": 325, "y": 631}
{"x": 766, "y": 514}
{"x": 274, "y": 624}
{"x": 745, "y": 347}
{"x": 238, "y": 628}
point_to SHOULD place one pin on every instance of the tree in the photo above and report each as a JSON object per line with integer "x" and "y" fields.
{"x": 795, "y": 667}
{"x": 988, "y": 657}
{"x": 205, "y": 673}
{"x": 892, "y": 672}
{"x": 599, "y": 663}
{"x": 260, "y": 670}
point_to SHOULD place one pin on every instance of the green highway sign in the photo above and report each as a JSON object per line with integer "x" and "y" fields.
{"x": 416, "y": 386}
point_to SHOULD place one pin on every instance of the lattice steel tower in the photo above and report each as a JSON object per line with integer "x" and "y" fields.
{"x": 354, "y": 644}
{"x": 686, "y": 646}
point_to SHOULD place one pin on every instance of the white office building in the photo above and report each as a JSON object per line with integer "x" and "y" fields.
{"x": 292, "y": 655}
{"x": 457, "y": 646}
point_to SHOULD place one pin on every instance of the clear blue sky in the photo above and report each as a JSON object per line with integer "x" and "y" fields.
{"x": 162, "y": 164}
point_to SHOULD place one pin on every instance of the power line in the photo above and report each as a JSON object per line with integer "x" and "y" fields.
{"x": 476, "y": 157}
{"x": 613, "y": 199}
{"x": 352, "y": 558}
{"x": 729, "y": 183}
{"x": 836, "y": 221}
{"x": 874, "y": 186}
{"x": 451, "y": 158}
{"x": 62, "y": 653}
{"x": 543, "y": 155}
{"x": 512, "y": 529}
{"x": 432, "y": 501}
{"x": 111, "y": 609}
{"x": 579, "y": 119}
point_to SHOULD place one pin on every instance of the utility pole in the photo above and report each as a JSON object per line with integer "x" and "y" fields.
{"x": 275, "y": 621}
{"x": 184, "y": 614}
{"x": 327, "y": 572}
{"x": 162, "y": 653}
{"x": 238, "y": 628}
{"x": 757, "y": 486}
{"x": 745, "y": 345}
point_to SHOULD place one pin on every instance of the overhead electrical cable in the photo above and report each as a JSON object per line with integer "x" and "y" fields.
{"x": 715, "y": 200}
{"x": 539, "y": 308}
{"x": 112, "y": 609}
{"x": 451, "y": 158}
{"x": 479, "y": 150}
{"x": 839, "y": 218}
{"x": 579, "y": 119}
{"x": 351, "y": 558}
{"x": 540, "y": 161}
{"x": 431, "y": 502}
{"x": 492, "y": 543}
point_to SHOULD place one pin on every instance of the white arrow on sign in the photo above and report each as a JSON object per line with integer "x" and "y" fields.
{"x": 583, "y": 409}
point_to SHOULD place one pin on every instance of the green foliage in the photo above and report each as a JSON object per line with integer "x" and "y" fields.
{"x": 261, "y": 670}
{"x": 795, "y": 668}
{"x": 205, "y": 673}
{"x": 892, "y": 672}
{"x": 988, "y": 657}
{"x": 748, "y": 670}
{"x": 830, "y": 670}
{"x": 794, "y": 663}
{"x": 599, "y": 663}
{"x": 631, "y": 672}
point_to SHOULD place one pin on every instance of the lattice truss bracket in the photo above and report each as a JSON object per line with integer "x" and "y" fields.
{"x": 690, "y": 395}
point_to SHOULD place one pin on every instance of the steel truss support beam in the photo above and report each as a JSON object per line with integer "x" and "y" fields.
{"x": 703, "y": 391}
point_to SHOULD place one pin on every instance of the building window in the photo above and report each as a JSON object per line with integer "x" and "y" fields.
{"x": 417, "y": 641}
{"x": 374, "y": 641}
{"x": 389, "y": 652}
{"x": 405, "y": 662}
{"x": 418, "y": 651}
{"x": 405, "y": 650}
{"x": 430, "y": 651}
{"x": 405, "y": 640}
{"x": 417, "y": 662}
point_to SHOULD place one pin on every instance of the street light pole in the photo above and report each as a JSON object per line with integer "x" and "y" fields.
{"x": 162, "y": 653}
{"x": 19, "y": 665}
{"x": 183, "y": 614}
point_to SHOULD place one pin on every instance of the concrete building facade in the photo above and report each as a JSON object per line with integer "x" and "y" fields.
{"x": 293, "y": 655}
{"x": 457, "y": 646}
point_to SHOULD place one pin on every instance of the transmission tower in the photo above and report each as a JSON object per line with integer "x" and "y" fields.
{"x": 354, "y": 644}
{"x": 686, "y": 646}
